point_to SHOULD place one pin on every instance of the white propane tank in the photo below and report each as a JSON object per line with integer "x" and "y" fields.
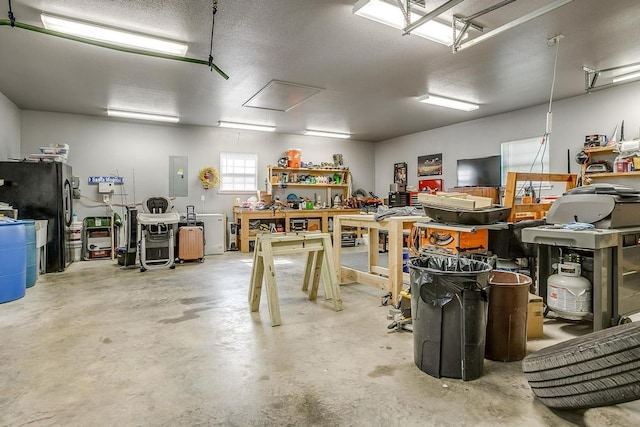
{"x": 568, "y": 293}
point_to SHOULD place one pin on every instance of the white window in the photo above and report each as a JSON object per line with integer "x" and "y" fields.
{"x": 238, "y": 172}
{"x": 524, "y": 155}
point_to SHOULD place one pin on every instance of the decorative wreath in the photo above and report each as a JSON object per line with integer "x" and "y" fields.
{"x": 209, "y": 177}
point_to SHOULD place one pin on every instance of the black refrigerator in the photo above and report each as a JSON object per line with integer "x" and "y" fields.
{"x": 42, "y": 190}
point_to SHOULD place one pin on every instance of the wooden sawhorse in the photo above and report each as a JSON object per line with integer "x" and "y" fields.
{"x": 319, "y": 262}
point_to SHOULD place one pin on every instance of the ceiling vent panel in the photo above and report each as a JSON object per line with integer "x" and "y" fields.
{"x": 281, "y": 96}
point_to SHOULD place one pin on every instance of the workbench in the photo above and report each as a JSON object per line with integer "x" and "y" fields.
{"x": 389, "y": 279}
{"x": 242, "y": 217}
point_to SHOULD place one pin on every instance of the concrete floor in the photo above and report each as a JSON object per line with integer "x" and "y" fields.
{"x": 101, "y": 346}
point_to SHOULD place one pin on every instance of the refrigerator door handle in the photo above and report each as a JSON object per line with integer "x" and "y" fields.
{"x": 68, "y": 203}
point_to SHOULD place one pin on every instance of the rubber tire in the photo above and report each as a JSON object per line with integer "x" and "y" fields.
{"x": 598, "y": 369}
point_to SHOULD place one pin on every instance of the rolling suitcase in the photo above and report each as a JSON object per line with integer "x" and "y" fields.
{"x": 191, "y": 239}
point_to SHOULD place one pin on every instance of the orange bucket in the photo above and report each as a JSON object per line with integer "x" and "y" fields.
{"x": 294, "y": 156}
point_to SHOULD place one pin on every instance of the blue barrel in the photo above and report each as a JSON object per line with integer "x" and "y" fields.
{"x": 13, "y": 260}
{"x": 32, "y": 265}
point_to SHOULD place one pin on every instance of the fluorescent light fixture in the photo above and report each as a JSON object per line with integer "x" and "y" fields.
{"x": 389, "y": 14}
{"x": 447, "y": 102}
{"x": 521, "y": 20}
{"x": 113, "y": 36}
{"x": 310, "y": 132}
{"x": 142, "y": 116}
{"x": 246, "y": 126}
{"x": 625, "y": 77}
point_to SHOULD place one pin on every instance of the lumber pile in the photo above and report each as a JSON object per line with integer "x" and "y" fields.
{"x": 455, "y": 200}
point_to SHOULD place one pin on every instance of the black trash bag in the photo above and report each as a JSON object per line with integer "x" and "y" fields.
{"x": 447, "y": 276}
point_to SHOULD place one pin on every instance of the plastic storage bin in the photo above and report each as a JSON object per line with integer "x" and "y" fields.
{"x": 449, "y": 312}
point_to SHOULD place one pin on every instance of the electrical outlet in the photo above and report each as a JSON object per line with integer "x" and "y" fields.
{"x": 202, "y": 198}
{"x": 105, "y": 198}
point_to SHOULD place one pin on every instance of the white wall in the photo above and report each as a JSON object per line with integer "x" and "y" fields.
{"x": 9, "y": 129}
{"x": 140, "y": 153}
{"x": 573, "y": 118}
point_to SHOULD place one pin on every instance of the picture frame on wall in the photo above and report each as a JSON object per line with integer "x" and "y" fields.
{"x": 400, "y": 173}
{"x": 429, "y": 165}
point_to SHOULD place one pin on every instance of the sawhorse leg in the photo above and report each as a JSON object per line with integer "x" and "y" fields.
{"x": 330, "y": 275}
{"x": 263, "y": 267}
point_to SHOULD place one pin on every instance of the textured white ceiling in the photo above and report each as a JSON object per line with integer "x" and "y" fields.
{"x": 371, "y": 73}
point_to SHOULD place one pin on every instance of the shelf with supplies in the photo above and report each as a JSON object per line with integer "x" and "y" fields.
{"x": 607, "y": 154}
{"x": 327, "y": 179}
{"x": 98, "y": 237}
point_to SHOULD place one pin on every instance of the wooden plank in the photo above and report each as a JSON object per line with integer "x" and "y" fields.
{"x": 430, "y": 199}
{"x": 330, "y": 276}
{"x": 551, "y": 177}
{"x": 454, "y": 202}
{"x": 337, "y": 245}
{"x": 270, "y": 281}
{"x": 510, "y": 189}
{"x": 451, "y": 194}
{"x": 376, "y": 269}
{"x": 365, "y": 278}
{"x": 319, "y": 261}
{"x": 395, "y": 260}
{"x": 481, "y": 201}
{"x": 541, "y": 207}
{"x": 308, "y": 266}
{"x": 255, "y": 285}
{"x": 294, "y": 249}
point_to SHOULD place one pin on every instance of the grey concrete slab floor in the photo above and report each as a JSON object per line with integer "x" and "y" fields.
{"x": 103, "y": 346}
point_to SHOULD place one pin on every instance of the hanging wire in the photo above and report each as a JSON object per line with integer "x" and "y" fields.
{"x": 544, "y": 142}
{"x": 213, "y": 21}
{"x": 12, "y": 18}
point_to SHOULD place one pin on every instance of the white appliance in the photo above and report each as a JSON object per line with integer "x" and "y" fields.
{"x": 214, "y": 232}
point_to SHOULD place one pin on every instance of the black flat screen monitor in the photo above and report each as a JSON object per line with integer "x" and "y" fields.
{"x": 480, "y": 172}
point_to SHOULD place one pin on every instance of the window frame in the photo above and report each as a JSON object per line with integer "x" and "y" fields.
{"x": 518, "y": 146}
{"x": 226, "y": 156}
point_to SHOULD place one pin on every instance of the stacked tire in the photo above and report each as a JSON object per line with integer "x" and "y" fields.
{"x": 599, "y": 369}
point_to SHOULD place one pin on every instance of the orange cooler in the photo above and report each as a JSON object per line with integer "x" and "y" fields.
{"x": 294, "y": 156}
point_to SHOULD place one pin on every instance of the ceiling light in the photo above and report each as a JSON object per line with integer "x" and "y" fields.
{"x": 246, "y": 126}
{"x": 625, "y": 77}
{"x": 142, "y": 116}
{"x": 388, "y": 14}
{"x": 518, "y": 21}
{"x": 112, "y": 35}
{"x": 310, "y": 132}
{"x": 607, "y": 77}
{"x": 447, "y": 102}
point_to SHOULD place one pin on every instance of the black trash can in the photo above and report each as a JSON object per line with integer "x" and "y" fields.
{"x": 449, "y": 313}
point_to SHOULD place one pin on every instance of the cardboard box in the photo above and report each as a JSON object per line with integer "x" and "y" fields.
{"x": 535, "y": 317}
